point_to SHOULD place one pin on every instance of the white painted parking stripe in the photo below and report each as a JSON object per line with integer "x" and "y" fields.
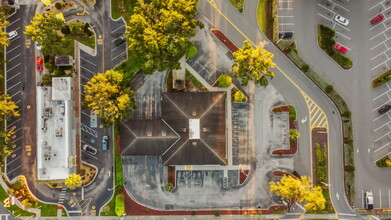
{"x": 378, "y": 117}
{"x": 14, "y": 57}
{"x": 378, "y": 45}
{"x": 14, "y": 85}
{"x": 377, "y": 56}
{"x": 386, "y": 145}
{"x": 13, "y": 49}
{"x": 119, "y": 55}
{"x": 13, "y": 67}
{"x": 378, "y": 35}
{"x": 16, "y": 103}
{"x": 116, "y": 48}
{"x": 13, "y": 76}
{"x": 382, "y": 136}
{"x": 379, "y": 65}
{"x": 374, "y": 6}
{"x": 343, "y": 35}
{"x": 342, "y": 7}
{"x": 325, "y": 8}
{"x": 118, "y": 28}
{"x": 86, "y": 114}
{"x": 88, "y": 70}
{"x": 381, "y": 105}
{"x": 380, "y": 95}
{"x": 381, "y": 126}
{"x": 13, "y": 22}
{"x": 15, "y": 94}
{"x": 342, "y": 26}
{"x": 88, "y": 61}
{"x": 324, "y": 17}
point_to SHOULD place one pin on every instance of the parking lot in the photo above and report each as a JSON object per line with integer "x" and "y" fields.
{"x": 15, "y": 76}
{"x": 380, "y": 62}
{"x": 326, "y": 12}
{"x": 285, "y": 16}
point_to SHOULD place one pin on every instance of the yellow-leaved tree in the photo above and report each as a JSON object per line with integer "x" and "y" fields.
{"x": 8, "y": 109}
{"x": 106, "y": 95}
{"x": 299, "y": 189}
{"x": 253, "y": 64}
{"x": 73, "y": 181}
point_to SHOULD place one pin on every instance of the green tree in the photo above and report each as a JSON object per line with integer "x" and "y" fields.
{"x": 107, "y": 98}
{"x": 158, "y": 32}
{"x": 293, "y": 134}
{"x": 6, "y": 142}
{"x": 73, "y": 181}
{"x": 77, "y": 27}
{"x": 45, "y": 28}
{"x": 253, "y": 64}
{"x": 224, "y": 80}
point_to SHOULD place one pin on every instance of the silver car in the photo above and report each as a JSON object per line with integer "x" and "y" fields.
{"x": 90, "y": 149}
{"x": 341, "y": 20}
{"x": 12, "y": 35}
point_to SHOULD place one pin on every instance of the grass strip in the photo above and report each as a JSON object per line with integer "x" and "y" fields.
{"x": 262, "y": 15}
{"x": 238, "y": 4}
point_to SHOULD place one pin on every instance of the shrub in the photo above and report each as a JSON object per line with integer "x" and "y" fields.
{"x": 342, "y": 60}
{"x": 292, "y": 113}
{"x": 288, "y": 49}
{"x": 146, "y": 209}
{"x": 239, "y": 97}
{"x": 119, "y": 204}
{"x": 329, "y": 88}
{"x": 83, "y": 172}
{"x": 295, "y": 50}
{"x": 384, "y": 162}
{"x": 191, "y": 51}
{"x": 349, "y": 140}
{"x": 169, "y": 187}
{"x": 271, "y": 20}
{"x": 305, "y": 67}
{"x": 224, "y": 80}
{"x": 47, "y": 80}
{"x": 65, "y": 30}
{"x": 350, "y": 168}
{"x": 347, "y": 114}
{"x": 58, "y": 5}
{"x": 217, "y": 213}
{"x": 17, "y": 185}
{"x": 193, "y": 213}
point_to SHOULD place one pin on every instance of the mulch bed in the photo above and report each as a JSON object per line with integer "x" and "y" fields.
{"x": 292, "y": 125}
{"x": 224, "y": 39}
{"x": 171, "y": 175}
{"x": 319, "y": 135}
{"x": 243, "y": 176}
{"x": 269, "y": 25}
{"x": 135, "y": 209}
{"x": 282, "y": 173}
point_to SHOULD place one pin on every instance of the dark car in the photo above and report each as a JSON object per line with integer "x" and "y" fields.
{"x": 105, "y": 142}
{"x": 384, "y": 109}
{"x": 90, "y": 149}
{"x": 377, "y": 19}
{"x": 285, "y": 35}
{"x": 119, "y": 41}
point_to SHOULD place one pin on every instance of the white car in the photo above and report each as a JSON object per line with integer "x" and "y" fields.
{"x": 12, "y": 35}
{"x": 341, "y": 20}
{"x": 368, "y": 200}
{"x": 39, "y": 47}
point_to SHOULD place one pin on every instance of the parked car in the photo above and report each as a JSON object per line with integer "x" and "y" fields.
{"x": 384, "y": 109}
{"x": 368, "y": 200}
{"x": 285, "y": 35}
{"x": 12, "y": 35}
{"x": 90, "y": 149}
{"x": 39, "y": 47}
{"x": 377, "y": 19}
{"x": 340, "y": 48}
{"x": 119, "y": 41}
{"x": 39, "y": 63}
{"x": 105, "y": 142}
{"x": 341, "y": 20}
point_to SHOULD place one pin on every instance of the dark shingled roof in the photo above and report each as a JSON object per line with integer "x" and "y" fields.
{"x": 169, "y": 136}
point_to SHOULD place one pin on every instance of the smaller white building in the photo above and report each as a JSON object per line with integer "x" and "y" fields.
{"x": 56, "y": 152}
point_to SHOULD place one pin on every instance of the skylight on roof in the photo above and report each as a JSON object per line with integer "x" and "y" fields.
{"x": 194, "y": 128}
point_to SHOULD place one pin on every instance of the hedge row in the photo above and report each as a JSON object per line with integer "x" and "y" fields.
{"x": 380, "y": 80}
{"x": 343, "y": 108}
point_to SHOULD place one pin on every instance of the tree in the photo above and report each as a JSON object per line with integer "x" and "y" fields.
{"x": 293, "y": 134}
{"x": 73, "y": 181}
{"x": 253, "y": 64}
{"x": 6, "y": 142}
{"x": 224, "y": 80}
{"x": 302, "y": 190}
{"x": 158, "y": 32}
{"x": 5, "y": 11}
{"x": 8, "y": 108}
{"x": 105, "y": 95}
{"x": 77, "y": 27}
{"x": 45, "y": 28}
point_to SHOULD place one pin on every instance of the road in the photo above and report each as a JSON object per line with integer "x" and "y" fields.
{"x": 288, "y": 80}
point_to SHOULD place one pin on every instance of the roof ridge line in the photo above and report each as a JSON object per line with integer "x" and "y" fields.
{"x": 179, "y": 137}
{"x": 176, "y": 150}
{"x": 212, "y": 151}
{"x": 136, "y": 137}
{"x": 176, "y": 106}
{"x": 222, "y": 95}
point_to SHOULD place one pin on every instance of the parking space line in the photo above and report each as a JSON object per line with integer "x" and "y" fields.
{"x": 14, "y": 57}
{"x": 324, "y": 17}
{"x": 386, "y": 145}
{"x": 344, "y": 46}
{"x": 15, "y": 94}
{"x": 88, "y": 61}
{"x": 379, "y": 65}
{"x": 116, "y": 48}
{"x": 14, "y": 85}
{"x": 14, "y": 169}
{"x": 342, "y": 26}
{"x": 342, "y": 7}
{"x": 118, "y": 28}
{"x": 13, "y": 76}
{"x": 382, "y": 136}
{"x": 387, "y": 65}
{"x": 13, "y": 122}
{"x": 343, "y": 35}
{"x": 374, "y": 6}
{"x": 90, "y": 155}
{"x": 86, "y": 114}
{"x": 119, "y": 55}
{"x": 380, "y": 105}
{"x": 14, "y": 39}
{"x": 13, "y": 49}
{"x": 378, "y": 117}
{"x": 17, "y": 28}
{"x": 378, "y": 35}
{"x": 85, "y": 78}
{"x": 88, "y": 70}
{"x": 13, "y": 67}
{"x": 376, "y": 56}
{"x": 326, "y": 8}
{"x": 381, "y": 127}
{"x": 13, "y": 22}
{"x": 380, "y": 95}
{"x": 16, "y": 103}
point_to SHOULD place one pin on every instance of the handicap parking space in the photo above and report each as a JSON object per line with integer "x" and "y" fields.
{"x": 285, "y": 16}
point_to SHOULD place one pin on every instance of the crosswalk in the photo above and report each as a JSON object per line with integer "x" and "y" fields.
{"x": 62, "y": 196}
